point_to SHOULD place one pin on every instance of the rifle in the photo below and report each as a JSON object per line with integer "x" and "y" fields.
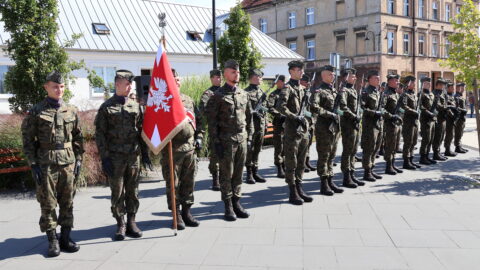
{"x": 259, "y": 108}
{"x": 380, "y": 102}
{"x": 336, "y": 104}
{"x": 359, "y": 103}
{"x": 304, "y": 104}
{"x": 398, "y": 110}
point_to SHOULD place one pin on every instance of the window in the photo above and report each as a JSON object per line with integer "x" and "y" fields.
{"x": 108, "y": 76}
{"x": 447, "y": 47}
{"x": 421, "y": 45}
{"x": 310, "y": 50}
{"x": 406, "y": 7}
{"x": 3, "y": 70}
{"x": 458, "y": 12}
{"x": 310, "y": 15}
{"x": 292, "y": 46}
{"x": 292, "y": 20}
{"x": 390, "y": 43}
{"x": 100, "y": 29}
{"x": 391, "y": 6}
{"x": 263, "y": 25}
{"x": 448, "y": 12}
{"x": 435, "y": 46}
{"x": 361, "y": 44}
{"x": 435, "y": 10}
{"x": 340, "y": 46}
{"x": 421, "y": 8}
{"x": 406, "y": 43}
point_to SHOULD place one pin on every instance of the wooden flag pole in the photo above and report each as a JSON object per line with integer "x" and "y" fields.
{"x": 172, "y": 188}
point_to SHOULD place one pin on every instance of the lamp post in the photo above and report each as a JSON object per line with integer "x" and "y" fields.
{"x": 214, "y": 35}
{"x": 373, "y": 38}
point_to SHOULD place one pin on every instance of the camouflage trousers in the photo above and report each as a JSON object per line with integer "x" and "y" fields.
{"x": 231, "y": 168}
{"x": 427, "y": 131}
{"x": 311, "y": 132}
{"x": 185, "y": 169}
{"x": 254, "y": 152}
{"x": 124, "y": 184}
{"x": 439, "y": 134}
{"x": 57, "y": 187}
{"x": 459, "y": 127}
{"x": 449, "y": 131}
{"x": 350, "y": 144}
{"x": 295, "y": 147}
{"x": 278, "y": 153}
{"x": 370, "y": 143}
{"x": 326, "y": 143}
{"x": 410, "y": 137}
{"x": 390, "y": 136}
{"x": 213, "y": 163}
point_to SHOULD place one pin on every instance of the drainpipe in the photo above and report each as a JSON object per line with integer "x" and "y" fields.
{"x": 414, "y": 67}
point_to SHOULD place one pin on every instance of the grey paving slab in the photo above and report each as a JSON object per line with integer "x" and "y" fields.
{"x": 332, "y": 237}
{"x": 421, "y": 259}
{"x": 420, "y": 238}
{"x": 458, "y": 258}
{"x": 370, "y": 257}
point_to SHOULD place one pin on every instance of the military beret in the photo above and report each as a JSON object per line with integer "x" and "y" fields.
{"x": 305, "y": 78}
{"x": 409, "y": 78}
{"x": 255, "y": 72}
{"x": 425, "y": 79}
{"x": 393, "y": 76}
{"x": 215, "y": 72}
{"x": 328, "y": 68}
{"x": 294, "y": 64}
{"x": 231, "y": 64}
{"x": 55, "y": 77}
{"x": 349, "y": 71}
{"x": 460, "y": 84}
{"x": 174, "y": 72}
{"x": 449, "y": 83}
{"x": 441, "y": 80}
{"x": 124, "y": 74}
{"x": 281, "y": 78}
{"x": 372, "y": 73}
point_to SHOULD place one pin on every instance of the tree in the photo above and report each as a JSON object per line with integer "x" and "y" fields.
{"x": 464, "y": 56}
{"x": 33, "y": 47}
{"x": 237, "y": 44}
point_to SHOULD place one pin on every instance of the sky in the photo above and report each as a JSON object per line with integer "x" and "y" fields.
{"x": 220, "y": 4}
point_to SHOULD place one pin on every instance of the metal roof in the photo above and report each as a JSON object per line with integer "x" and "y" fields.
{"x": 134, "y": 27}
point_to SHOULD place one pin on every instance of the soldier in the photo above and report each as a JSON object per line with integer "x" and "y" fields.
{"x": 428, "y": 118}
{"x": 118, "y": 136}
{"x": 231, "y": 132}
{"x": 53, "y": 146}
{"x": 293, "y": 104}
{"x": 278, "y": 120}
{"x": 460, "y": 125}
{"x": 256, "y": 98}
{"x": 451, "y": 117}
{"x": 410, "y": 124}
{"x": 328, "y": 106}
{"x": 392, "y": 123}
{"x": 441, "y": 108}
{"x": 305, "y": 82}
{"x": 371, "y": 126}
{"x": 400, "y": 91}
{"x": 216, "y": 80}
{"x": 350, "y": 125}
{"x": 184, "y": 145}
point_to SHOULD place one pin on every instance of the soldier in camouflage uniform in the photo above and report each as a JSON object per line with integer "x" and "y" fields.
{"x": 410, "y": 124}
{"x": 441, "y": 108}
{"x": 350, "y": 125}
{"x": 428, "y": 117}
{"x": 118, "y": 136}
{"x": 400, "y": 91}
{"x": 296, "y": 136}
{"x": 216, "y": 79}
{"x": 229, "y": 112}
{"x": 184, "y": 144}
{"x": 53, "y": 146}
{"x": 278, "y": 120}
{"x": 460, "y": 125}
{"x": 451, "y": 116}
{"x": 256, "y": 98}
{"x": 392, "y": 123}
{"x": 328, "y": 106}
{"x": 371, "y": 126}
{"x": 305, "y": 82}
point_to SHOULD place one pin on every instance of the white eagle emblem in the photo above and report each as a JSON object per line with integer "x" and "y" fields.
{"x": 158, "y": 97}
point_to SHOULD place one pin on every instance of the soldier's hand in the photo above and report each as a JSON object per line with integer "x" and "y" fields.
{"x": 378, "y": 114}
{"x": 300, "y": 119}
{"x": 198, "y": 144}
{"x": 37, "y": 173}
{"x": 77, "y": 168}
{"x": 219, "y": 149}
{"x": 107, "y": 166}
{"x": 249, "y": 144}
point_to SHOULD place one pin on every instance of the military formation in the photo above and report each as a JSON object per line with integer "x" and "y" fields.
{"x": 320, "y": 108}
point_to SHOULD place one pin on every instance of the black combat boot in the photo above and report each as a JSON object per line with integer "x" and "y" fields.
{"x": 449, "y": 153}
{"x": 132, "y": 228}
{"x": 367, "y": 176}
{"x": 249, "y": 178}
{"x": 429, "y": 159}
{"x": 302, "y": 193}
{"x": 407, "y": 165}
{"x": 189, "y": 220}
{"x": 280, "y": 171}
{"x": 324, "y": 187}
{"x": 414, "y": 164}
{"x": 376, "y": 175}
{"x": 395, "y": 168}
{"x": 229, "y": 214}
{"x": 294, "y": 198}
{"x": 121, "y": 229}
{"x": 460, "y": 150}
{"x": 358, "y": 159}
{"x": 389, "y": 169}
{"x": 53, "y": 247}
{"x": 180, "y": 222}
{"x": 258, "y": 178}
{"x": 437, "y": 156}
{"x": 238, "y": 208}
{"x": 463, "y": 149}
{"x": 424, "y": 160}
{"x": 348, "y": 181}
{"x": 308, "y": 165}
{"x": 333, "y": 186}
{"x": 66, "y": 243}
{"x": 215, "y": 181}
{"x": 355, "y": 180}
{"x": 306, "y": 169}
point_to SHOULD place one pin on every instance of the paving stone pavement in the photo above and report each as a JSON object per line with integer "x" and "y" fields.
{"x": 424, "y": 219}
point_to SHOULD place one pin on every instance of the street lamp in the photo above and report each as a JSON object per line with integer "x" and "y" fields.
{"x": 373, "y": 38}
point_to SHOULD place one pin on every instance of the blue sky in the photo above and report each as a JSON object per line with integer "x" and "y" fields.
{"x": 220, "y": 4}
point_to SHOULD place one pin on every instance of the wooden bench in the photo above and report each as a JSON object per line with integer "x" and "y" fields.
{"x": 11, "y": 157}
{"x": 269, "y": 132}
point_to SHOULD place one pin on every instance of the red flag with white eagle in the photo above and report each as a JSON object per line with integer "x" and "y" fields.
{"x": 165, "y": 114}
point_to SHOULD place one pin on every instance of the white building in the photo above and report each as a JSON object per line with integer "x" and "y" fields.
{"x": 125, "y": 35}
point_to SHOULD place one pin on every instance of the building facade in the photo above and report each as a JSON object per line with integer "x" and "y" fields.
{"x": 394, "y": 36}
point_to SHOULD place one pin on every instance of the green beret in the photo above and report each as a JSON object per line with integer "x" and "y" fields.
{"x": 441, "y": 80}
{"x": 393, "y": 76}
{"x": 124, "y": 74}
{"x": 215, "y": 72}
{"x": 294, "y": 64}
{"x": 371, "y": 73}
{"x": 55, "y": 77}
{"x": 328, "y": 68}
{"x": 231, "y": 64}
{"x": 425, "y": 79}
{"x": 305, "y": 78}
{"x": 347, "y": 71}
{"x": 281, "y": 78}
{"x": 409, "y": 78}
{"x": 255, "y": 72}
{"x": 460, "y": 84}
{"x": 450, "y": 84}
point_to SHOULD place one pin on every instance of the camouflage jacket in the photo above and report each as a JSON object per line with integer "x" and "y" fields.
{"x": 391, "y": 99}
{"x": 228, "y": 113}
{"x": 427, "y": 100}
{"x": 370, "y": 100}
{"x": 461, "y": 105}
{"x": 289, "y": 103}
{"x": 350, "y": 99}
{"x": 255, "y": 94}
{"x": 272, "y": 102}
{"x": 118, "y": 127}
{"x": 450, "y": 103}
{"x": 322, "y": 102}
{"x": 409, "y": 105}
{"x": 441, "y": 104}
{"x": 52, "y": 136}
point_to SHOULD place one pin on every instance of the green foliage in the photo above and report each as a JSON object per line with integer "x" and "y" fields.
{"x": 237, "y": 44}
